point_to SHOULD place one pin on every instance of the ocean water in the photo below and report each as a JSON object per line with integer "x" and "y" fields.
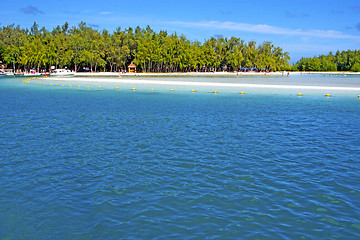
{"x": 79, "y": 163}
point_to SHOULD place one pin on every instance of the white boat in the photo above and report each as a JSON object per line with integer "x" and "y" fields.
{"x": 6, "y": 72}
{"x": 62, "y": 72}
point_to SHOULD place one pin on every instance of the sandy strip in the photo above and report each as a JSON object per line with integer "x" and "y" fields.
{"x": 182, "y": 74}
{"x": 204, "y": 84}
{"x": 207, "y": 74}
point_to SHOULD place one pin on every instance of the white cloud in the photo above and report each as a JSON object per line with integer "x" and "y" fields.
{"x": 266, "y": 29}
{"x": 105, "y": 13}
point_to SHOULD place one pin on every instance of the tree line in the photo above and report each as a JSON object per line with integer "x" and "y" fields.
{"x": 341, "y": 61}
{"x": 82, "y": 47}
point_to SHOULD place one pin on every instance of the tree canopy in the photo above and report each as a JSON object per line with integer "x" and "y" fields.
{"x": 81, "y": 46}
{"x": 341, "y": 61}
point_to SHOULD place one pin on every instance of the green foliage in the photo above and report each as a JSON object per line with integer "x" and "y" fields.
{"x": 355, "y": 67}
{"x": 341, "y": 61}
{"x": 82, "y": 46}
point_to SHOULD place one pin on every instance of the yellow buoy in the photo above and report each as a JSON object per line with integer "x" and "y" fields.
{"x": 78, "y": 85}
{"x": 242, "y": 92}
{"x": 116, "y": 88}
{"x": 88, "y": 86}
{"x": 171, "y": 90}
{"x": 50, "y": 84}
{"x": 152, "y": 90}
{"x": 55, "y": 84}
{"x": 70, "y": 86}
{"x": 44, "y": 83}
{"x": 193, "y": 90}
{"x": 100, "y": 87}
{"x": 328, "y": 95}
{"x": 63, "y": 85}
{"x": 215, "y": 91}
{"x": 359, "y": 96}
{"x": 39, "y": 83}
{"x": 134, "y": 89}
{"x": 299, "y": 94}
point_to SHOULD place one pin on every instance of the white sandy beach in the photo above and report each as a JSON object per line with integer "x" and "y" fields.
{"x": 209, "y": 74}
{"x": 203, "y": 84}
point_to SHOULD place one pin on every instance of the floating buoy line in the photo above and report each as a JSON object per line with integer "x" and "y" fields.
{"x": 328, "y": 95}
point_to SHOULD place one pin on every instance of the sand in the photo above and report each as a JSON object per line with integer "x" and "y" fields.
{"x": 209, "y": 74}
{"x": 203, "y": 84}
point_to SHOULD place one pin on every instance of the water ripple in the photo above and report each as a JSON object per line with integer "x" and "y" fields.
{"x": 153, "y": 166}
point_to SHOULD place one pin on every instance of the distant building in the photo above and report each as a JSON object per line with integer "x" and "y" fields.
{"x": 132, "y": 68}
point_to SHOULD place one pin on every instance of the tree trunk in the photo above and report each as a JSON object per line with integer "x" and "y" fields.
{"x": 75, "y": 64}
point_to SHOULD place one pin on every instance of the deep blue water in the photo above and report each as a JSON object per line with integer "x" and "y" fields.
{"x": 105, "y": 164}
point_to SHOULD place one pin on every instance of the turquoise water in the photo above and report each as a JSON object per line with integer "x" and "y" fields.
{"x": 79, "y": 163}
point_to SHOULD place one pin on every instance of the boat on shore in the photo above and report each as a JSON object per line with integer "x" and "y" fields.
{"x": 62, "y": 72}
{"x": 6, "y": 72}
{"x": 19, "y": 73}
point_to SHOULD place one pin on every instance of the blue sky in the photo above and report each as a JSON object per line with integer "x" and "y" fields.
{"x": 303, "y": 28}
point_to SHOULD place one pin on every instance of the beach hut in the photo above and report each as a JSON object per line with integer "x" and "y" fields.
{"x": 132, "y": 68}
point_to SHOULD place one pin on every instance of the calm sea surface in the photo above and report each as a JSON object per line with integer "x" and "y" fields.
{"x": 79, "y": 163}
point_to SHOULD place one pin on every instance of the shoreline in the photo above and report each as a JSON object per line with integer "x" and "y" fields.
{"x": 187, "y": 74}
{"x": 207, "y": 74}
{"x": 202, "y": 84}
